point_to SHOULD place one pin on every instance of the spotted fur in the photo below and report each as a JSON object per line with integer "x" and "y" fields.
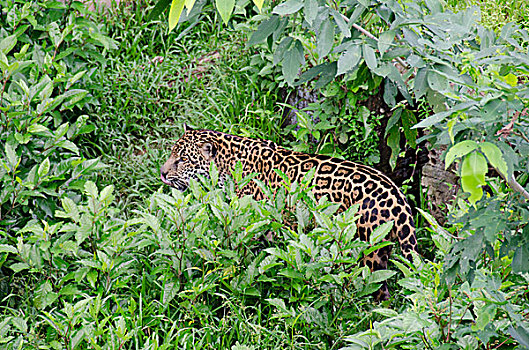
{"x": 344, "y": 182}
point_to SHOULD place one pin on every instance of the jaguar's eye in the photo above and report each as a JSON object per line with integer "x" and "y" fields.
{"x": 183, "y": 159}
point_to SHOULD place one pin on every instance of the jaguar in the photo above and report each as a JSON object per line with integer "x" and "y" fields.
{"x": 343, "y": 182}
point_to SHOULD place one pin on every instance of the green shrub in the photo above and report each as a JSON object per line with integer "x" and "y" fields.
{"x": 189, "y": 267}
{"x": 47, "y": 58}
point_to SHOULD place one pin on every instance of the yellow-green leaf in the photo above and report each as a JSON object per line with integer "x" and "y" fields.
{"x": 189, "y": 5}
{"x": 174, "y": 14}
{"x": 473, "y": 172}
{"x": 494, "y": 156}
{"x": 225, "y": 8}
{"x": 459, "y": 150}
{"x": 259, "y": 4}
{"x": 511, "y": 79}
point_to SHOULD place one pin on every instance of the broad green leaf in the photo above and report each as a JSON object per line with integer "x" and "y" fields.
{"x": 264, "y": 30}
{"x": 311, "y": 11}
{"x": 380, "y": 232}
{"x": 437, "y": 81}
{"x": 160, "y": 7}
{"x": 370, "y": 56}
{"x": 325, "y": 39}
{"x": 279, "y": 53}
{"x": 394, "y": 144}
{"x": 511, "y": 79}
{"x": 170, "y": 290}
{"x": 11, "y": 155}
{"x": 292, "y": 62}
{"x": 349, "y": 59}
{"x": 393, "y": 120}
{"x": 408, "y": 121}
{"x": 459, "y": 150}
{"x": 385, "y": 40}
{"x": 225, "y": 8}
{"x": 8, "y": 43}
{"x": 419, "y": 83}
{"x": 521, "y": 334}
{"x": 381, "y": 275}
{"x": 485, "y": 316}
{"x": 259, "y": 4}
{"x": 106, "y": 194}
{"x": 44, "y": 167}
{"x": 386, "y": 312}
{"x": 69, "y": 145}
{"x": 344, "y": 27}
{"x": 494, "y": 156}
{"x": 39, "y": 129}
{"x": 174, "y": 13}
{"x": 473, "y": 172}
{"x": 91, "y": 189}
{"x": 190, "y": 3}
{"x": 287, "y": 8}
{"x": 4, "y": 248}
{"x": 70, "y": 208}
{"x": 520, "y": 260}
{"x": 17, "y": 267}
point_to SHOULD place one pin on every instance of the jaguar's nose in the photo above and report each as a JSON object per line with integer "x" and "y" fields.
{"x": 163, "y": 177}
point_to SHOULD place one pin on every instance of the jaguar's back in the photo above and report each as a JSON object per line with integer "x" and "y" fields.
{"x": 344, "y": 182}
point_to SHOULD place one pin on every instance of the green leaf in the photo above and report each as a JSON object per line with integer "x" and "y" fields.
{"x": 473, "y": 172}
{"x": 17, "y": 267}
{"x": 259, "y": 4}
{"x": 292, "y": 62}
{"x": 44, "y": 167}
{"x": 311, "y": 11}
{"x": 7, "y": 44}
{"x": 71, "y": 97}
{"x": 394, "y": 144}
{"x": 370, "y": 56}
{"x": 70, "y": 208}
{"x": 4, "y": 248}
{"x": 279, "y": 53}
{"x": 265, "y": 29}
{"x": 225, "y": 8}
{"x": 386, "y": 312}
{"x": 91, "y": 189}
{"x": 495, "y": 157}
{"x": 520, "y": 259}
{"x": 380, "y": 232}
{"x": 174, "y": 13}
{"x": 39, "y": 129}
{"x": 381, "y": 275}
{"x": 170, "y": 290}
{"x": 437, "y": 81}
{"x": 419, "y": 83}
{"x": 349, "y": 59}
{"x": 287, "y": 8}
{"x": 520, "y": 334}
{"x": 344, "y": 28}
{"x": 408, "y": 121}
{"x": 160, "y": 7}
{"x": 11, "y": 156}
{"x": 325, "y": 39}
{"x": 69, "y": 145}
{"x": 385, "y": 40}
{"x": 459, "y": 150}
{"x": 485, "y": 316}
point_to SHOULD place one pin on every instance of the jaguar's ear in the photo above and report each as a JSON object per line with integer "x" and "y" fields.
{"x": 208, "y": 150}
{"x": 187, "y": 128}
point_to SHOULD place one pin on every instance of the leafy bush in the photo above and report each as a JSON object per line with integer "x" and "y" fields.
{"x": 46, "y": 59}
{"x": 192, "y": 265}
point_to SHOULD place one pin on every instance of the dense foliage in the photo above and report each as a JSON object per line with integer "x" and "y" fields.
{"x": 95, "y": 253}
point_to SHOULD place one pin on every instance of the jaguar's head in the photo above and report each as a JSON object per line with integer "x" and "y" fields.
{"x": 190, "y": 156}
